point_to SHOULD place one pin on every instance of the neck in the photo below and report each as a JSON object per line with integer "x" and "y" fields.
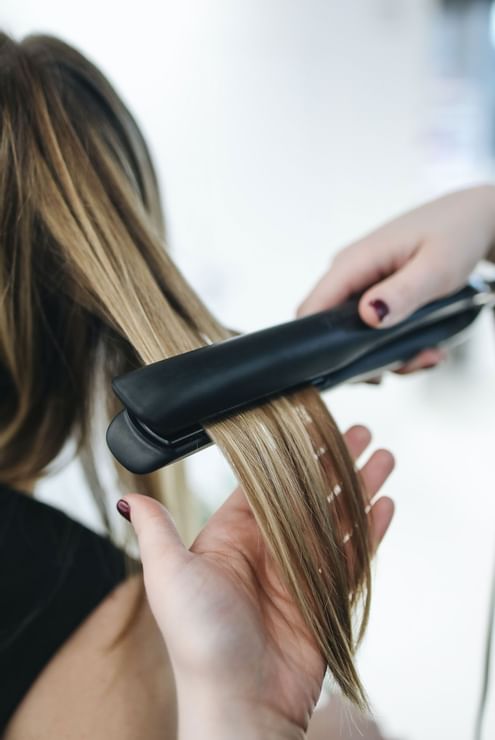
{"x": 24, "y": 486}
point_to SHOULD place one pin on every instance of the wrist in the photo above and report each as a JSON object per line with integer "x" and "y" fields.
{"x": 207, "y": 713}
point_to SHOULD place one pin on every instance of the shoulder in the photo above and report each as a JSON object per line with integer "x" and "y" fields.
{"x": 77, "y": 636}
{"x": 100, "y": 686}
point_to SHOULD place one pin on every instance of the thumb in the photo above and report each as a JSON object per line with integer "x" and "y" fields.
{"x": 392, "y": 300}
{"x": 160, "y": 545}
{"x": 347, "y": 274}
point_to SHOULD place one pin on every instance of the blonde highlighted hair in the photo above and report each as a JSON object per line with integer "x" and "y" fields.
{"x": 88, "y": 291}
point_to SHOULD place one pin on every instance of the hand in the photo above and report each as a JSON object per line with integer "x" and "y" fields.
{"x": 235, "y": 638}
{"x": 422, "y": 255}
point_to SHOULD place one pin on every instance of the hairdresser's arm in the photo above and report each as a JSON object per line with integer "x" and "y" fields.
{"x": 212, "y": 715}
{"x": 339, "y": 720}
{"x": 422, "y": 255}
{"x": 244, "y": 662}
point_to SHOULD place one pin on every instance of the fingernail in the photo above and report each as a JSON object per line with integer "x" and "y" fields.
{"x": 380, "y": 307}
{"x": 124, "y": 509}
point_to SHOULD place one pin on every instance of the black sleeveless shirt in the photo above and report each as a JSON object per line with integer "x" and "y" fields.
{"x": 53, "y": 573}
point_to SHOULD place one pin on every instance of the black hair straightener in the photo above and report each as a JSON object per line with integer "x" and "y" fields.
{"x": 167, "y": 404}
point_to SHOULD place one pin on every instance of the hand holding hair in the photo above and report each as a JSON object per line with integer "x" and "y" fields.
{"x": 244, "y": 662}
{"x": 419, "y": 256}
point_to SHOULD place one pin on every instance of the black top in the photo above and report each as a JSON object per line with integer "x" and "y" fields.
{"x": 53, "y": 573}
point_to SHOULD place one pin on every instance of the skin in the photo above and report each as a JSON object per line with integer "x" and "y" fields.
{"x": 422, "y": 255}
{"x": 89, "y": 691}
{"x": 338, "y": 720}
{"x": 224, "y": 612}
{"x": 242, "y": 630}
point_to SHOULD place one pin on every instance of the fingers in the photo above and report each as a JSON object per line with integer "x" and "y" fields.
{"x": 349, "y": 273}
{"x": 404, "y": 273}
{"x": 426, "y": 359}
{"x": 418, "y": 282}
{"x": 376, "y": 471}
{"x": 357, "y": 439}
{"x": 373, "y": 475}
{"x": 159, "y": 542}
{"x": 381, "y": 515}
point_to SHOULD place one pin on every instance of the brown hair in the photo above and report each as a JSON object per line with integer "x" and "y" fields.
{"x": 87, "y": 291}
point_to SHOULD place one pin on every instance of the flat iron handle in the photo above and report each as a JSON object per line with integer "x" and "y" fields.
{"x": 400, "y": 350}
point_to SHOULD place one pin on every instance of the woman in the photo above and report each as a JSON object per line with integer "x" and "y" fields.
{"x": 265, "y": 599}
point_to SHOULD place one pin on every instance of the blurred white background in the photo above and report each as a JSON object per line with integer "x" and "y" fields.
{"x": 281, "y": 131}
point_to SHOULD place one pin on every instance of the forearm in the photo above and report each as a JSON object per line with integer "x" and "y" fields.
{"x": 210, "y": 717}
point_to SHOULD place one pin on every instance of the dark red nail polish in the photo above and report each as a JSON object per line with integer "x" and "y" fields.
{"x": 124, "y": 509}
{"x": 381, "y": 308}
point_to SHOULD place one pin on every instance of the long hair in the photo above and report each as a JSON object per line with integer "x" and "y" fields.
{"x": 87, "y": 291}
